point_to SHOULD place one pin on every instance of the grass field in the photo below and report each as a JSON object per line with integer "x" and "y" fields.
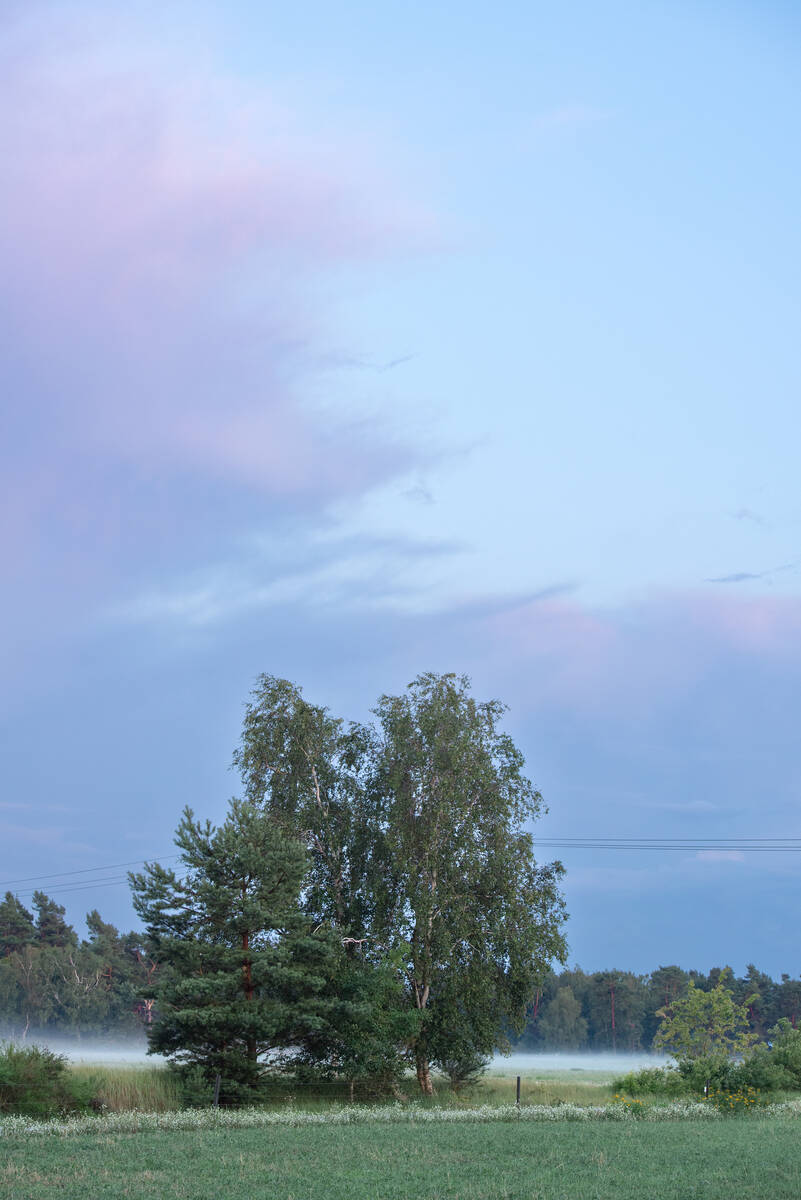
{"x": 154, "y": 1089}
{"x": 747, "y": 1157}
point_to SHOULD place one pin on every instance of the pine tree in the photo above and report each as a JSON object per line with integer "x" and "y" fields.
{"x": 17, "y": 929}
{"x": 51, "y": 928}
{"x": 247, "y": 975}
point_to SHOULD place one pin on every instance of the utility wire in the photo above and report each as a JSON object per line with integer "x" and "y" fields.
{"x": 76, "y": 887}
{"x": 67, "y": 881}
{"x": 747, "y": 845}
{"x": 87, "y": 870}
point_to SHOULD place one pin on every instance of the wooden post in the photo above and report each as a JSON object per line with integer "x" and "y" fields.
{"x": 216, "y": 1101}
{"x": 518, "y": 1092}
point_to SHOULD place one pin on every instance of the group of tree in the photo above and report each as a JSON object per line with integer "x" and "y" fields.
{"x": 52, "y": 981}
{"x": 620, "y": 1010}
{"x": 371, "y": 902}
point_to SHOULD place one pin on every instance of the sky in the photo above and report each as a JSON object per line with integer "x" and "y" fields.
{"x": 349, "y": 342}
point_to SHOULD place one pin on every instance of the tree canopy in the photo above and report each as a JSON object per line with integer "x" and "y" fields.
{"x": 419, "y": 854}
{"x": 246, "y": 974}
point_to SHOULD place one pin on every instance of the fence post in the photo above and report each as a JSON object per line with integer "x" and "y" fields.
{"x": 216, "y": 1101}
{"x": 518, "y": 1092}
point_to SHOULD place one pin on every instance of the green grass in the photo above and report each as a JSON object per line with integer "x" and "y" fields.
{"x": 121, "y": 1088}
{"x": 749, "y": 1157}
{"x": 155, "y": 1089}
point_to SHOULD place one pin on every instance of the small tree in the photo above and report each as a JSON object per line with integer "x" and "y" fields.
{"x": 562, "y": 1026}
{"x": 247, "y": 974}
{"x": 703, "y": 1024}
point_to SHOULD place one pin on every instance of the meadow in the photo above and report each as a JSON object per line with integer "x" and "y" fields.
{"x": 571, "y": 1139}
{"x": 465, "y": 1160}
{"x": 120, "y": 1088}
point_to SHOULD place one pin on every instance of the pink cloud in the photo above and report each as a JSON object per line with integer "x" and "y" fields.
{"x": 162, "y": 237}
{"x": 637, "y": 657}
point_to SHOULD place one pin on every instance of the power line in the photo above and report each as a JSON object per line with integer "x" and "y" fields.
{"x": 746, "y": 845}
{"x": 77, "y": 887}
{"x": 87, "y": 870}
{"x": 66, "y": 880}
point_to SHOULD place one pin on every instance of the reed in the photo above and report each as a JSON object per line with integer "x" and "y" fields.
{"x": 124, "y": 1088}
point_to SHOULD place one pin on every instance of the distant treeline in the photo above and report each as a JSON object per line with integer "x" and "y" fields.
{"x": 50, "y": 980}
{"x": 618, "y": 1010}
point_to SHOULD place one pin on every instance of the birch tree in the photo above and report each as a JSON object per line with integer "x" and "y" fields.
{"x": 478, "y": 920}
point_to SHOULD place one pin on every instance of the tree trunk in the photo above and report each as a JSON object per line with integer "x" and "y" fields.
{"x": 424, "y": 1075}
{"x": 614, "y": 1031}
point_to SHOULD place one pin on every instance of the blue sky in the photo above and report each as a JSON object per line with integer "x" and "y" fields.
{"x": 347, "y": 343}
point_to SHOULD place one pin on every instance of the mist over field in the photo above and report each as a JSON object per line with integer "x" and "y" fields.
{"x": 133, "y": 1052}
{"x": 120, "y": 1052}
{"x": 536, "y": 1064}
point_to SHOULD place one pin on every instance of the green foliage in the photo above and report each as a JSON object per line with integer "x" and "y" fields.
{"x": 481, "y": 919}
{"x": 35, "y": 1082}
{"x": 634, "y": 1108}
{"x": 465, "y": 1069}
{"x": 786, "y": 1049}
{"x": 195, "y": 1089}
{"x": 701, "y": 1024}
{"x": 246, "y": 974}
{"x": 653, "y": 1081}
{"x": 742, "y": 1100}
{"x": 712, "y": 1071}
{"x": 51, "y": 928}
{"x": 414, "y": 830}
{"x": 17, "y": 929}
{"x": 562, "y": 1026}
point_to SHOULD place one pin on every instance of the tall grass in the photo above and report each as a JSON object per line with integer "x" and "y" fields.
{"x": 149, "y": 1088}
{"x": 124, "y": 1088}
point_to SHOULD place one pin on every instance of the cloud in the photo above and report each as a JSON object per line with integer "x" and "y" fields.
{"x": 302, "y": 568}
{"x": 164, "y": 233}
{"x": 738, "y": 577}
{"x": 637, "y": 657}
{"x": 744, "y": 576}
{"x": 748, "y": 514}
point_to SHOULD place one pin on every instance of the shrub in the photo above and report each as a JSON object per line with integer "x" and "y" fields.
{"x": 653, "y": 1081}
{"x": 714, "y": 1071}
{"x": 194, "y": 1089}
{"x": 36, "y": 1082}
{"x": 786, "y": 1050}
{"x": 634, "y": 1108}
{"x": 741, "y": 1100}
{"x": 464, "y": 1070}
{"x": 762, "y": 1071}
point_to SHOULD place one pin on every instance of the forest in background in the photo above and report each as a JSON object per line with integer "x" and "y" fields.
{"x": 51, "y": 981}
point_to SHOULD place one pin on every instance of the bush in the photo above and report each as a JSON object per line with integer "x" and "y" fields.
{"x": 715, "y": 1071}
{"x": 35, "y": 1082}
{"x": 742, "y": 1100}
{"x": 653, "y": 1081}
{"x": 464, "y": 1070}
{"x": 194, "y": 1088}
{"x": 762, "y": 1072}
{"x": 786, "y": 1050}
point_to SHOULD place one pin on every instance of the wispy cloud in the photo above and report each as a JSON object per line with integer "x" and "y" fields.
{"x": 307, "y": 570}
{"x": 163, "y": 234}
{"x": 745, "y": 576}
{"x": 748, "y": 514}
